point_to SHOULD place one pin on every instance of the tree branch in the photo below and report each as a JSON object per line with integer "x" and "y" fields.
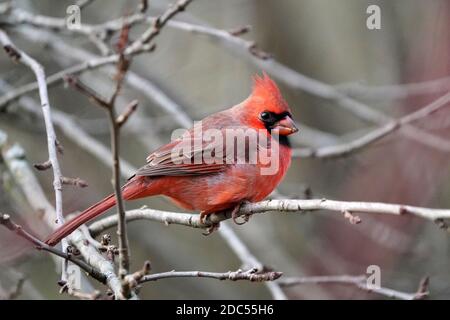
{"x": 395, "y": 91}
{"x": 23, "y": 175}
{"x": 20, "y": 56}
{"x": 52, "y": 142}
{"x": 109, "y": 105}
{"x": 251, "y": 275}
{"x": 6, "y": 221}
{"x": 375, "y": 135}
{"x": 157, "y": 25}
{"x": 278, "y": 70}
{"x": 358, "y": 281}
{"x": 298, "y": 81}
{"x": 280, "y": 206}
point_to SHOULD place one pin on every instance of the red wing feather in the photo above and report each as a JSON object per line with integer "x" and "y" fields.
{"x": 168, "y": 161}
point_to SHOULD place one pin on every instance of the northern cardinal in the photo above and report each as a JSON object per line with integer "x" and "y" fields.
{"x": 211, "y": 187}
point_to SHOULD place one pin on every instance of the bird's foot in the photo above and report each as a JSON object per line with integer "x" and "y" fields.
{"x": 234, "y": 215}
{"x": 211, "y": 229}
{"x": 203, "y": 216}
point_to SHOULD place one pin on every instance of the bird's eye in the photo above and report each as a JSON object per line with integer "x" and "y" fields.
{"x": 265, "y": 116}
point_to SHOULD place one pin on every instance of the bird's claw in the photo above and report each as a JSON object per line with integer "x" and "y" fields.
{"x": 203, "y": 216}
{"x": 234, "y": 215}
{"x": 211, "y": 229}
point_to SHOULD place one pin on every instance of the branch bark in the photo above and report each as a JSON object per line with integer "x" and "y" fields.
{"x": 251, "y": 275}
{"x": 280, "y": 206}
{"x": 52, "y": 143}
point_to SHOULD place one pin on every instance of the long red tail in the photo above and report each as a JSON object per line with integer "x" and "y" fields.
{"x": 135, "y": 188}
{"x": 88, "y": 214}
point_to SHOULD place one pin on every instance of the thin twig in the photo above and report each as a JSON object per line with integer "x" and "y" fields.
{"x": 156, "y": 26}
{"x": 395, "y": 91}
{"x": 357, "y": 281}
{"x": 38, "y": 70}
{"x": 251, "y": 275}
{"x": 6, "y": 221}
{"x": 109, "y": 106}
{"x": 129, "y": 110}
{"x": 70, "y": 128}
{"x": 52, "y": 142}
{"x": 375, "y": 135}
{"x": 133, "y": 280}
{"x": 121, "y": 230}
{"x": 248, "y": 259}
{"x": 122, "y": 67}
{"x": 14, "y": 158}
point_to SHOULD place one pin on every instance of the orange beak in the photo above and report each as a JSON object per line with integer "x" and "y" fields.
{"x": 285, "y": 126}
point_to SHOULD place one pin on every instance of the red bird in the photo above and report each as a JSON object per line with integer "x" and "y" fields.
{"x": 213, "y": 186}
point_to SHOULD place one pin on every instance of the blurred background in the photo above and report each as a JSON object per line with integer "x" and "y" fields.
{"x": 322, "y": 39}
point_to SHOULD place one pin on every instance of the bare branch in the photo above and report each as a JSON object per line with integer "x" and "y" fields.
{"x": 6, "y": 221}
{"x": 24, "y": 177}
{"x": 121, "y": 230}
{"x": 157, "y": 24}
{"x": 279, "y": 71}
{"x": 377, "y": 134}
{"x": 395, "y": 91}
{"x": 249, "y": 260}
{"x": 309, "y": 136}
{"x": 109, "y": 105}
{"x": 73, "y": 131}
{"x": 129, "y": 110}
{"x": 122, "y": 67}
{"x": 299, "y": 81}
{"x": 87, "y": 91}
{"x": 97, "y": 149}
{"x": 52, "y": 142}
{"x": 133, "y": 280}
{"x": 251, "y": 275}
{"x": 51, "y": 136}
{"x": 239, "y": 31}
{"x": 280, "y": 206}
{"x": 357, "y": 281}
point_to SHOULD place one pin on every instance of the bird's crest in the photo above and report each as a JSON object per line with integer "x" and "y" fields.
{"x": 266, "y": 91}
